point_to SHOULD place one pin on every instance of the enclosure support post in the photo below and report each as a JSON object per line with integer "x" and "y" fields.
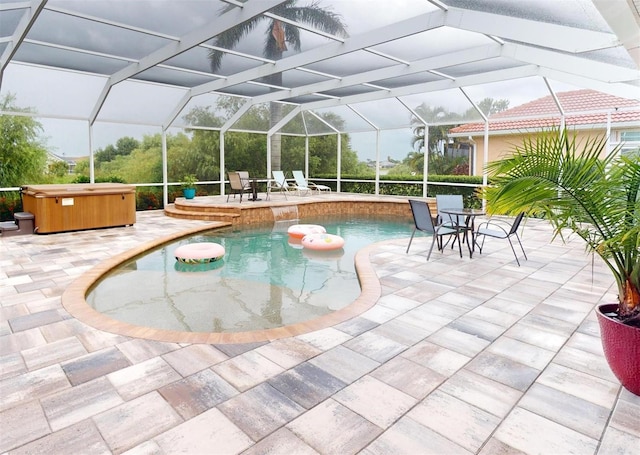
{"x": 306, "y": 156}
{"x": 92, "y": 176}
{"x": 377, "y": 185}
{"x": 339, "y": 165}
{"x": 425, "y": 164}
{"x": 485, "y": 160}
{"x": 222, "y": 163}
{"x": 165, "y": 174}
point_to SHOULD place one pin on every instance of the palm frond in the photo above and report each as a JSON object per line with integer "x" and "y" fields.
{"x": 313, "y": 14}
{"x": 577, "y": 186}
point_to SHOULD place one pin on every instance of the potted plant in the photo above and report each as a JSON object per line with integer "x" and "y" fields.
{"x": 189, "y": 186}
{"x": 584, "y": 189}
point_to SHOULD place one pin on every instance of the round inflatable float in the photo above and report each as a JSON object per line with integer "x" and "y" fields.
{"x": 300, "y": 230}
{"x": 322, "y": 242}
{"x": 199, "y": 253}
{"x": 197, "y": 268}
{"x": 295, "y": 242}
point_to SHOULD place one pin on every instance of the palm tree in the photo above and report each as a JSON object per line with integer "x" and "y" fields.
{"x": 278, "y": 35}
{"x": 436, "y": 133}
{"x": 582, "y": 189}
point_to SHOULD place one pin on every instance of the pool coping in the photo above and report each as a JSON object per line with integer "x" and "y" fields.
{"x": 74, "y": 301}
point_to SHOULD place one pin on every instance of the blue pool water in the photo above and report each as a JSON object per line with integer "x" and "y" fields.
{"x": 266, "y": 279}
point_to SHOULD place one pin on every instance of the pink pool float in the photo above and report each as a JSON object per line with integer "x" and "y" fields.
{"x": 199, "y": 253}
{"x": 322, "y": 242}
{"x": 300, "y": 230}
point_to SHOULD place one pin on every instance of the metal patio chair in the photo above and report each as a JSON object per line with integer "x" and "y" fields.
{"x": 423, "y": 221}
{"x": 499, "y": 229}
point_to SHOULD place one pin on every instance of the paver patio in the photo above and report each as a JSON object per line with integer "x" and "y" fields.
{"x": 458, "y": 355}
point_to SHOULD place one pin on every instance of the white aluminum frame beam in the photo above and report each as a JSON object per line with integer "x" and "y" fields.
{"x": 569, "y": 64}
{"x": 473, "y": 79}
{"x": 624, "y": 19}
{"x": 454, "y": 58}
{"x": 26, "y": 22}
{"x": 536, "y": 33}
{"x": 228, "y": 20}
{"x": 371, "y": 38}
{"x": 544, "y": 34}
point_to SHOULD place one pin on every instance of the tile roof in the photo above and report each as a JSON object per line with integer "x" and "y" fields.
{"x": 548, "y": 115}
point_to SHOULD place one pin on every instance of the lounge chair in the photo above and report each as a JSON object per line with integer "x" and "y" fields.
{"x": 499, "y": 229}
{"x": 279, "y": 183}
{"x": 424, "y": 222}
{"x": 303, "y": 184}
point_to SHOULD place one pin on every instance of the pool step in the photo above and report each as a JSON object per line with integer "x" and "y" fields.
{"x": 201, "y": 213}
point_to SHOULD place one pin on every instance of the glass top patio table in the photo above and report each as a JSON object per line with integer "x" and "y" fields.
{"x": 469, "y": 223}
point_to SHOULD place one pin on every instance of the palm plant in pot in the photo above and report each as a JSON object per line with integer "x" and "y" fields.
{"x": 583, "y": 189}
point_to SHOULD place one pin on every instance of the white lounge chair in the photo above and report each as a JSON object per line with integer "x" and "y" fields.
{"x": 279, "y": 183}
{"x": 303, "y": 184}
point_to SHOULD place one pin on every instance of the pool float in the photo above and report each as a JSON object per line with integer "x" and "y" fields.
{"x": 199, "y": 253}
{"x": 199, "y": 267}
{"x": 322, "y": 241}
{"x": 300, "y": 230}
{"x": 295, "y": 242}
{"x": 323, "y": 255}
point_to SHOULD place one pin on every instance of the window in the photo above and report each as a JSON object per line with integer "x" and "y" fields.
{"x": 630, "y": 136}
{"x": 630, "y": 141}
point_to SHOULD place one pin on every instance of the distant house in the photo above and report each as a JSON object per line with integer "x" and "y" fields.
{"x": 384, "y": 165}
{"x": 587, "y": 112}
{"x": 53, "y": 158}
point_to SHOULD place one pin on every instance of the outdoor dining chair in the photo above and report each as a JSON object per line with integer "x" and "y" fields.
{"x": 238, "y": 184}
{"x": 451, "y": 201}
{"x": 499, "y": 229}
{"x": 423, "y": 221}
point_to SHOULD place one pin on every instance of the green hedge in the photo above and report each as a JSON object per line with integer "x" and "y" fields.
{"x": 150, "y": 198}
{"x": 10, "y": 203}
{"x": 387, "y": 186}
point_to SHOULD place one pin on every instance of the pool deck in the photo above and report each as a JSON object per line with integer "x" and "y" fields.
{"x": 456, "y": 355}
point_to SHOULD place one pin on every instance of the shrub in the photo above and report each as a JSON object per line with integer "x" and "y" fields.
{"x": 10, "y": 203}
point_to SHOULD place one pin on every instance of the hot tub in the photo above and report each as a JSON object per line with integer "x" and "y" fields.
{"x": 59, "y": 208}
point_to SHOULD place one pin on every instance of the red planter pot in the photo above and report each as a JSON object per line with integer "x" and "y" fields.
{"x": 621, "y": 344}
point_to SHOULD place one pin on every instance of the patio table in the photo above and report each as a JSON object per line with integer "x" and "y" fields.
{"x": 469, "y": 224}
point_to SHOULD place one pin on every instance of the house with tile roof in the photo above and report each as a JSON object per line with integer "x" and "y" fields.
{"x": 586, "y": 112}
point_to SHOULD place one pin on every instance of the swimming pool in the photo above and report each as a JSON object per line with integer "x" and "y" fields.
{"x": 266, "y": 280}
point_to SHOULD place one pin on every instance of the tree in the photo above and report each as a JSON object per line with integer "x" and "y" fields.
{"x": 488, "y": 106}
{"x": 278, "y": 35}
{"x": 59, "y": 168}
{"x": 22, "y": 157}
{"x": 124, "y": 146}
{"x": 437, "y": 132}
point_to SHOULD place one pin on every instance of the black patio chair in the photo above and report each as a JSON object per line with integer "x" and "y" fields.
{"x": 423, "y": 221}
{"x": 499, "y": 229}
